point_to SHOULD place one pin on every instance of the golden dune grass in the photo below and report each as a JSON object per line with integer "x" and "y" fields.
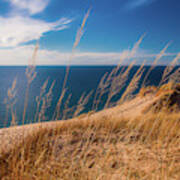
{"x": 103, "y": 145}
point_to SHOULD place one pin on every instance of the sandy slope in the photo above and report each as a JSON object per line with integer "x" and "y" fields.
{"x": 14, "y": 135}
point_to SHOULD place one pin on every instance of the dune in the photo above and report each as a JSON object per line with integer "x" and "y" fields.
{"x": 12, "y": 136}
{"x": 109, "y": 144}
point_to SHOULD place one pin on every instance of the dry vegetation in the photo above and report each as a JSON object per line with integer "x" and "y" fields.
{"x": 139, "y": 142}
{"x": 99, "y": 147}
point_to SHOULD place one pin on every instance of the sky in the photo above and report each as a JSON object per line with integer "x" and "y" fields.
{"x": 111, "y": 32}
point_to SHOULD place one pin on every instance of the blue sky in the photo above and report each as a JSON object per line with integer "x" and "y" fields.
{"x": 111, "y": 30}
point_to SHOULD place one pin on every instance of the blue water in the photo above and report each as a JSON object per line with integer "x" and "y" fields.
{"x": 81, "y": 79}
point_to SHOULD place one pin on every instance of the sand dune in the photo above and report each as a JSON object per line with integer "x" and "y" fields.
{"x": 9, "y": 137}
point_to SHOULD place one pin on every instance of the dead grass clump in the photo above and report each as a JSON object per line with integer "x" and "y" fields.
{"x": 147, "y": 90}
{"x": 169, "y": 99}
{"x": 165, "y": 88}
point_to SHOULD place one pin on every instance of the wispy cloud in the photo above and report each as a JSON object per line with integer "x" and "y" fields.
{"x": 132, "y": 4}
{"x": 31, "y": 6}
{"x": 17, "y": 30}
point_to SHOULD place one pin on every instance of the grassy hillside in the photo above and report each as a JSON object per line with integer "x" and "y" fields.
{"x": 104, "y": 145}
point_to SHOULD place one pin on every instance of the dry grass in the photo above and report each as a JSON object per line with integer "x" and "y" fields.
{"x": 103, "y": 148}
{"x": 46, "y": 103}
{"x": 114, "y": 82}
{"x": 30, "y": 74}
{"x": 78, "y": 37}
{"x": 10, "y": 102}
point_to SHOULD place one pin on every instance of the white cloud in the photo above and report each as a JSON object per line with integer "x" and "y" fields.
{"x": 32, "y": 6}
{"x": 132, "y": 4}
{"x": 17, "y": 30}
{"x": 21, "y": 55}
